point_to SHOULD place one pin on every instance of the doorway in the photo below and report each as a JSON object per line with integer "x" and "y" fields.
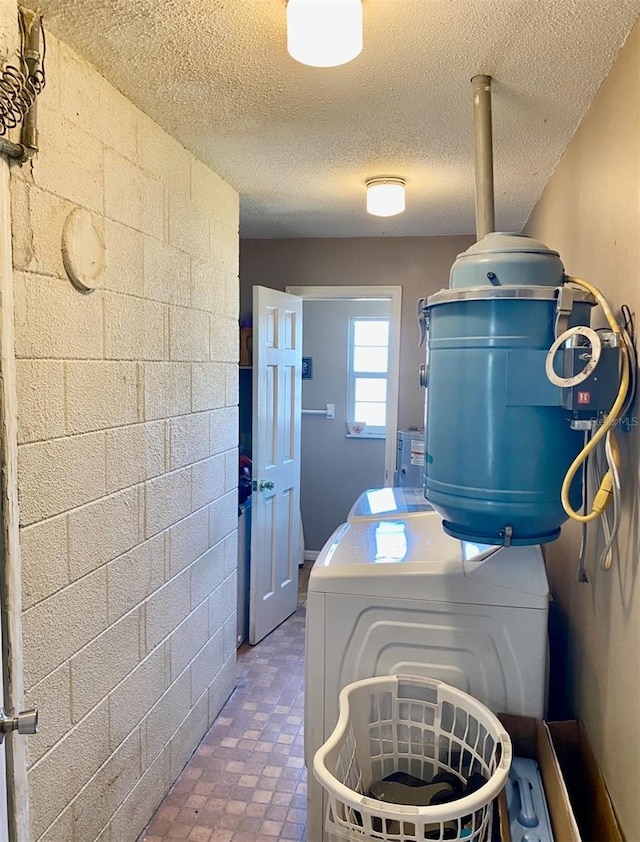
{"x": 341, "y": 458}
{"x": 351, "y": 476}
{"x": 14, "y": 807}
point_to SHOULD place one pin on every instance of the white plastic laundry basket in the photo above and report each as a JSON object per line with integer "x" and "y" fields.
{"x": 403, "y": 723}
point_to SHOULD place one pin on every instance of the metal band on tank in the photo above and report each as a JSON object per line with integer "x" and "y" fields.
{"x": 445, "y": 296}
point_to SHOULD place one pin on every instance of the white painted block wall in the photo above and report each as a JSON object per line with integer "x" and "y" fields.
{"x": 127, "y": 404}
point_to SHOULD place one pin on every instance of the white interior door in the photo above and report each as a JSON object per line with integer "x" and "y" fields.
{"x": 275, "y": 453}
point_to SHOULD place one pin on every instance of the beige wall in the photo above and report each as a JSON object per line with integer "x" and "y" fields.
{"x": 127, "y": 405}
{"x": 590, "y": 212}
{"x": 420, "y": 265}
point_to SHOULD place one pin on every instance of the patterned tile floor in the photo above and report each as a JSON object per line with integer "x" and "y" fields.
{"x": 247, "y": 780}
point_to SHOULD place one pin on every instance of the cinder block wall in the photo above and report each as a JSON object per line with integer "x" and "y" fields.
{"x": 127, "y": 402}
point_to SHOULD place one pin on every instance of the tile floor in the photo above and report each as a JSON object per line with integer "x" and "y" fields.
{"x": 247, "y": 780}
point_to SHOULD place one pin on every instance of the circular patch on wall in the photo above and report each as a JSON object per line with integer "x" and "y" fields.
{"x": 83, "y": 250}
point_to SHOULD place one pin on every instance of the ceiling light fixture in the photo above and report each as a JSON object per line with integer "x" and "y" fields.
{"x": 385, "y": 195}
{"x": 324, "y": 33}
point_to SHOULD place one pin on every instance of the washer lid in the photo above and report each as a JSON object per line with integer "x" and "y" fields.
{"x": 413, "y": 558}
{"x": 389, "y": 503}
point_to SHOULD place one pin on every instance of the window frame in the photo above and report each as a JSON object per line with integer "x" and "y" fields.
{"x": 370, "y": 431}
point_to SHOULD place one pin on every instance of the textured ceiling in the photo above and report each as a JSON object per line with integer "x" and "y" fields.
{"x": 298, "y": 142}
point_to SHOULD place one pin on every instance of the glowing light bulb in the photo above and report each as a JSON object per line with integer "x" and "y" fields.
{"x": 385, "y": 196}
{"x": 324, "y": 33}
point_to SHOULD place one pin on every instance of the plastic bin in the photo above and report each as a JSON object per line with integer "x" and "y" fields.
{"x": 415, "y": 725}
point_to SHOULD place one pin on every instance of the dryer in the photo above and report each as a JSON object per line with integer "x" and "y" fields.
{"x": 401, "y": 596}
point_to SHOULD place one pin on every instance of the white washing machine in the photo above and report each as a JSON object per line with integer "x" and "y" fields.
{"x": 401, "y": 596}
{"x": 395, "y": 502}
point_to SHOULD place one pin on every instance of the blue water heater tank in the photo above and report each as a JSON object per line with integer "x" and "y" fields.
{"x": 498, "y": 442}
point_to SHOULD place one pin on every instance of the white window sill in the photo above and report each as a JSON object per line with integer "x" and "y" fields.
{"x": 365, "y": 435}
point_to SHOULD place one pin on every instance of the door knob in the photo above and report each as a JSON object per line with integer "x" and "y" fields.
{"x": 266, "y": 486}
{"x": 26, "y": 722}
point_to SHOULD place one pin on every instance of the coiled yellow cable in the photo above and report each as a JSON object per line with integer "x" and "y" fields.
{"x": 604, "y": 493}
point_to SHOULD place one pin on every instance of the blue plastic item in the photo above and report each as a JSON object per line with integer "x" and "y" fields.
{"x": 498, "y": 442}
{"x": 528, "y": 814}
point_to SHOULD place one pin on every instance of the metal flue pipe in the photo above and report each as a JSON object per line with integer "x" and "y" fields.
{"x": 483, "y": 137}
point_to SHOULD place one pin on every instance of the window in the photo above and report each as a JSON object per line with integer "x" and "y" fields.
{"x": 368, "y": 374}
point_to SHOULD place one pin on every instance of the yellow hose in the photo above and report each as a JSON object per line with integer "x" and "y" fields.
{"x": 603, "y": 495}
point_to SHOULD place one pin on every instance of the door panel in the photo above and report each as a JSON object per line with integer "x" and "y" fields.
{"x": 271, "y": 406}
{"x": 289, "y": 420}
{"x": 275, "y": 450}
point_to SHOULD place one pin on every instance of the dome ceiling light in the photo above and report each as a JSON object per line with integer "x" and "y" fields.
{"x": 324, "y": 33}
{"x": 385, "y": 195}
